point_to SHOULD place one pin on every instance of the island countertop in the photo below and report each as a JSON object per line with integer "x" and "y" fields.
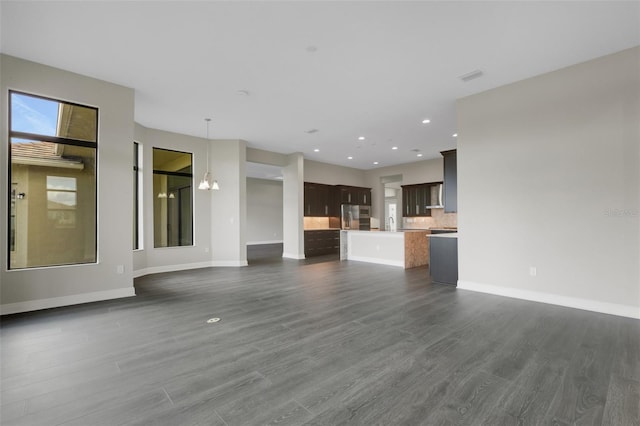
{"x": 405, "y": 248}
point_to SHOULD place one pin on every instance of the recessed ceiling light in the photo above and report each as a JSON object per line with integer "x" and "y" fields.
{"x": 316, "y": 150}
{"x": 361, "y": 138}
{"x": 394, "y": 147}
{"x": 426, "y": 121}
{"x": 419, "y": 155}
{"x": 349, "y": 158}
{"x": 243, "y": 92}
{"x": 375, "y": 162}
{"x": 455, "y": 135}
{"x": 311, "y": 131}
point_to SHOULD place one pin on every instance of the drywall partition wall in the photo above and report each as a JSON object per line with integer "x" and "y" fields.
{"x": 31, "y": 289}
{"x": 151, "y": 259}
{"x": 266, "y": 157}
{"x": 228, "y": 159}
{"x": 264, "y": 211}
{"x": 418, "y": 172}
{"x": 293, "y": 200}
{"x": 331, "y": 174}
{"x": 548, "y": 187}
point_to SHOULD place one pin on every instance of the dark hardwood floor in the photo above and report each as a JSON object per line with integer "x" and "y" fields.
{"x": 318, "y": 342}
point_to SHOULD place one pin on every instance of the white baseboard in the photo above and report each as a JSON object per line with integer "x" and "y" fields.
{"x": 293, "y": 256}
{"x": 56, "y": 302}
{"x": 257, "y": 243}
{"x": 553, "y": 299}
{"x": 229, "y": 263}
{"x": 170, "y": 268}
{"x": 399, "y": 263}
{"x": 185, "y": 266}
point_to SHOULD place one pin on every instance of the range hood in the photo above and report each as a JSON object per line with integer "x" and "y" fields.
{"x": 439, "y": 204}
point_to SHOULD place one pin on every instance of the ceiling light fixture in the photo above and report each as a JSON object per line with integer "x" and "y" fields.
{"x": 419, "y": 155}
{"x": 394, "y": 147}
{"x": 349, "y": 158}
{"x": 426, "y": 121}
{"x": 375, "y": 162}
{"x": 361, "y": 138}
{"x": 316, "y": 150}
{"x": 206, "y": 182}
{"x": 455, "y": 135}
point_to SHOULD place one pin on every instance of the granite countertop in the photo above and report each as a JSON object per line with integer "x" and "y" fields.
{"x": 448, "y": 235}
{"x": 323, "y": 229}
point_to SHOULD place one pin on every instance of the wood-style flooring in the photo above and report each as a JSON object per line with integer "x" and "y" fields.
{"x": 318, "y": 342}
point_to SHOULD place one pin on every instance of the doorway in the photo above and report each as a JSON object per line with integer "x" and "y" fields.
{"x": 392, "y": 191}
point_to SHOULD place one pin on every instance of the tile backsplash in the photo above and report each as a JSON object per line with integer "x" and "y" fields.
{"x": 438, "y": 219}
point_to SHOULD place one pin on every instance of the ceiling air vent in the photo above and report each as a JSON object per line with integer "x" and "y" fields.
{"x": 471, "y": 75}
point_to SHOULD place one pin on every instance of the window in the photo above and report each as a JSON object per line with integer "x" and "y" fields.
{"x": 137, "y": 198}
{"x": 53, "y": 147}
{"x": 173, "y": 195}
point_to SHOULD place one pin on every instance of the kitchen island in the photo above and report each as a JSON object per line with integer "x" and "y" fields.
{"x": 405, "y": 248}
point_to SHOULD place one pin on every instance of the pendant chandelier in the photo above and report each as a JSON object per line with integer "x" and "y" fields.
{"x": 207, "y": 181}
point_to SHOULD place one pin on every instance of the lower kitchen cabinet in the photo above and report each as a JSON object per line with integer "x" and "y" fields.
{"x": 321, "y": 241}
{"x": 443, "y": 258}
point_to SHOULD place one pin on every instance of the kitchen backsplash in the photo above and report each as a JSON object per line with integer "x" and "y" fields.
{"x": 438, "y": 219}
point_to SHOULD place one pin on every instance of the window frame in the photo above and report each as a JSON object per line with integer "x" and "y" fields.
{"x": 138, "y": 243}
{"x": 57, "y": 140}
{"x": 179, "y": 174}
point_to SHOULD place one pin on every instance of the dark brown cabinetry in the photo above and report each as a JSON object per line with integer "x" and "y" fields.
{"x": 450, "y": 181}
{"x": 354, "y": 195}
{"x": 318, "y": 199}
{"x": 417, "y": 199}
{"x": 320, "y": 242}
{"x": 322, "y": 200}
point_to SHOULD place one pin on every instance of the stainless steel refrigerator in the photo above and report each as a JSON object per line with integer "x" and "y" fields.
{"x": 355, "y": 217}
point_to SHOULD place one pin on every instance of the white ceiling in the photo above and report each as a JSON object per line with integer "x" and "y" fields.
{"x": 347, "y": 69}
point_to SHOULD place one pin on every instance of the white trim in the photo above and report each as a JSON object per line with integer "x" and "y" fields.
{"x": 169, "y": 268}
{"x": 293, "y": 256}
{"x": 554, "y": 299}
{"x": 229, "y": 263}
{"x": 185, "y": 266}
{"x": 377, "y": 260}
{"x": 76, "y": 299}
{"x": 255, "y": 243}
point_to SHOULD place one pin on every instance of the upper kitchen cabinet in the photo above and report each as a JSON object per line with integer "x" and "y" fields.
{"x": 354, "y": 195}
{"x": 419, "y": 199}
{"x": 450, "y": 181}
{"x": 318, "y": 199}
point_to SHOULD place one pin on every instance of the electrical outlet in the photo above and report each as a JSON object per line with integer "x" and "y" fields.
{"x": 533, "y": 271}
{"x": 120, "y": 269}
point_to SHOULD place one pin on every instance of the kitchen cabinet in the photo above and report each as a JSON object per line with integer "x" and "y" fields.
{"x": 318, "y": 200}
{"x": 321, "y": 242}
{"x": 354, "y": 195}
{"x": 418, "y": 198}
{"x": 450, "y": 181}
{"x": 443, "y": 258}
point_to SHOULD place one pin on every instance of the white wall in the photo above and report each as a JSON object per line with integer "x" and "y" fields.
{"x": 548, "y": 176}
{"x": 151, "y": 259}
{"x": 331, "y": 174}
{"x": 23, "y": 290}
{"x": 264, "y": 211}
